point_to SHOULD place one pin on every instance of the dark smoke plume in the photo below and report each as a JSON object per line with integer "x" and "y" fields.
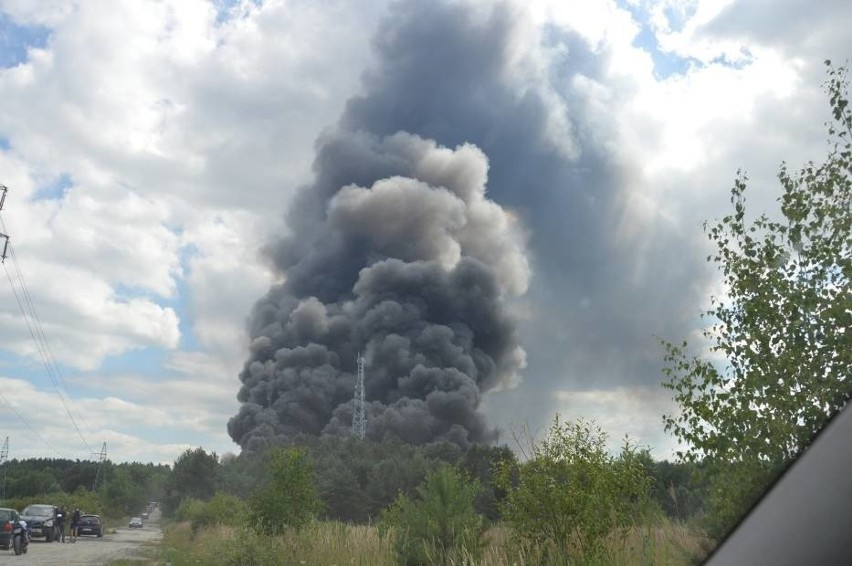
{"x": 420, "y": 281}
{"x": 395, "y": 252}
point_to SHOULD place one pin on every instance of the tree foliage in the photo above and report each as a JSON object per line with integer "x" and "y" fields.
{"x": 571, "y": 493}
{"x": 194, "y": 475}
{"x": 357, "y": 479}
{"x": 122, "y": 495}
{"x": 439, "y": 524}
{"x": 782, "y": 328}
{"x": 289, "y": 499}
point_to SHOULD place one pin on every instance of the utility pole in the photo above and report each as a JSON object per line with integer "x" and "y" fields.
{"x": 5, "y": 240}
{"x": 102, "y": 456}
{"x": 3, "y": 190}
{"x": 4, "y": 457}
{"x": 359, "y": 419}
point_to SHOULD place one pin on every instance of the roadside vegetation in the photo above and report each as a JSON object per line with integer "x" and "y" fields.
{"x": 121, "y": 490}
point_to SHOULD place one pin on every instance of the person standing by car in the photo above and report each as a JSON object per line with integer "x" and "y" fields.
{"x": 60, "y": 523}
{"x": 75, "y": 522}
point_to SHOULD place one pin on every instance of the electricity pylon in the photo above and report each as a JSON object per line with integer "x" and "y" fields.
{"x": 102, "y": 456}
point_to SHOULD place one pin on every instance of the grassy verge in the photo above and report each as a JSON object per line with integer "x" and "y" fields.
{"x": 324, "y": 543}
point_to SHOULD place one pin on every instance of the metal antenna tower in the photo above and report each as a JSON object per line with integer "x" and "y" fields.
{"x": 359, "y": 419}
{"x": 102, "y": 455}
{"x": 4, "y": 456}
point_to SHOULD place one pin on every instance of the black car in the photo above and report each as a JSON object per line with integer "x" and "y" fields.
{"x": 41, "y": 518}
{"x": 8, "y": 517}
{"x": 90, "y": 525}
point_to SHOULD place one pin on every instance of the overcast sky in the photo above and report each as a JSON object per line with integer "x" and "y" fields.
{"x": 151, "y": 149}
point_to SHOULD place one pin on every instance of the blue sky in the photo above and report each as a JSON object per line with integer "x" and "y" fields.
{"x": 666, "y": 63}
{"x": 139, "y": 226}
{"x": 16, "y": 39}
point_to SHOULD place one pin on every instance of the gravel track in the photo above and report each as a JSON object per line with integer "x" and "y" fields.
{"x": 89, "y": 551}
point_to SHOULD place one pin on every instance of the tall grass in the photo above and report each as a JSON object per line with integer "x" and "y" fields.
{"x": 327, "y": 543}
{"x": 318, "y": 543}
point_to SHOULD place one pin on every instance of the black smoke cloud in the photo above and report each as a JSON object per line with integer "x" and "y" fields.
{"x": 447, "y": 76}
{"x": 395, "y": 252}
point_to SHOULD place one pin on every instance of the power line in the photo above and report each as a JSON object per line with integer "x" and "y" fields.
{"x": 43, "y": 356}
{"x": 27, "y": 424}
{"x": 38, "y": 326}
{"x": 34, "y": 325}
{"x": 51, "y": 359}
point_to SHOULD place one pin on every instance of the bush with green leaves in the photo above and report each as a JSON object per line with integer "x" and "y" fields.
{"x": 289, "y": 499}
{"x": 439, "y": 524}
{"x": 188, "y": 509}
{"x": 571, "y": 493}
{"x": 783, "y": 329}
{"x": 221, "y": 509}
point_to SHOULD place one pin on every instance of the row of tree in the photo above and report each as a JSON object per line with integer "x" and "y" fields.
{"x": 565, "y": 499}
{"x": 356, "y": 480}
{"x": 113, "y": 490}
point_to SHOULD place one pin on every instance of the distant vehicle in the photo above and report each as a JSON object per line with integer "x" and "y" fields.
{"x": 8, "y": 518}
{"x": 90, "y": 525}
{"x": 144, "y": 515}
{"x": 41, "y": 519}
{"x": 136, "y": 523}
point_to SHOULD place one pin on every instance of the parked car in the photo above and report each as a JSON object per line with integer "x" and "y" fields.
{"x": 8, "y": 517}
{"x": 41, "y": 519}
{"x": 90, "y": 525}
{"x": 136, "y": 523}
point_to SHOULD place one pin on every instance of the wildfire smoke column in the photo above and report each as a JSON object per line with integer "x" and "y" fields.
{"x": 394, "y": 251}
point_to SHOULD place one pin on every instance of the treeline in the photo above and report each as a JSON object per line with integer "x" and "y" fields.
{"x": 569, "y": 496}
{"x": 109, "y": 489}
{"x": 356, "y": 480}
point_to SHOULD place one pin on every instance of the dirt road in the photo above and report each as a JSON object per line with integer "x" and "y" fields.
{"x": 89, "y": 551}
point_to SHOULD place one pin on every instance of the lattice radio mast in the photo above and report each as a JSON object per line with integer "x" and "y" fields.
{"x": 359, "y": 419}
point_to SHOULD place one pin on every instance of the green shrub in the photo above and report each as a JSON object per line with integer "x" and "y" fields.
{"x": 571, "y": 494}
{"x": 290, "y": 498}
{"x": 439, "y": 524}
{"x": 189, "y": 509}
{"x": 225, "y": 509}
{"x": 222, "y": 509}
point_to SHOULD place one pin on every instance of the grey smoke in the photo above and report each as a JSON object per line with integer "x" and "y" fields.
{"x": 405, "y": 260}
{"x": 395, "y": 249}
